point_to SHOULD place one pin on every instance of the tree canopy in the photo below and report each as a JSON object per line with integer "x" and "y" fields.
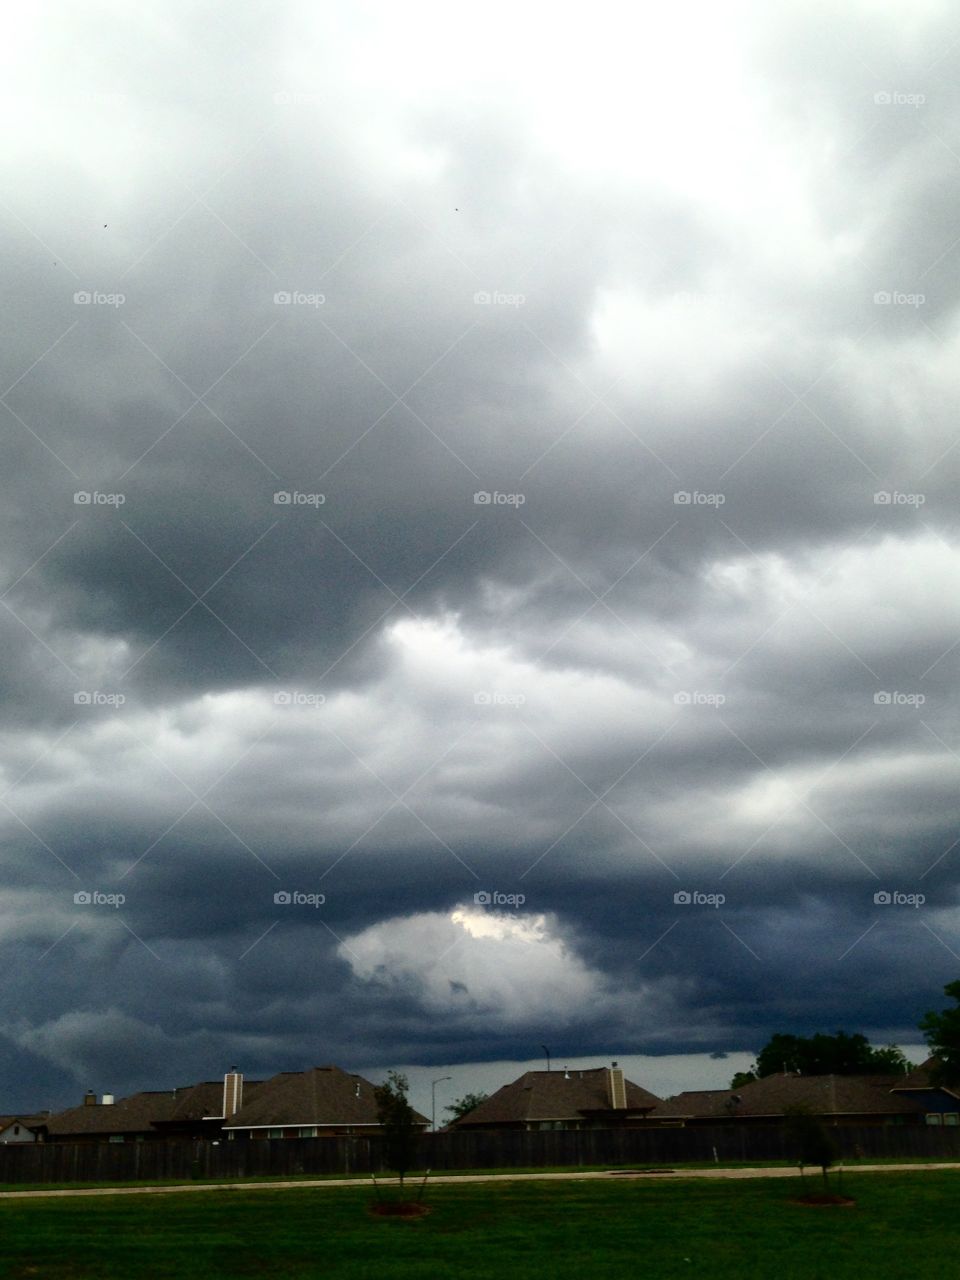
{"x": 819, "y": 1055}
{"x": 942, "y": 1032}
{"x": 467, "y": 1103}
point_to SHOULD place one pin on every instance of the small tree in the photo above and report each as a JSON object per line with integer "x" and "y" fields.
{"x": 813, "y": 1141}
{"x": 396, "y": 1117}
{"x": 942, "y": 1032}
{"x": 467, "y": 1103}
{"x": 744, "y": 1077}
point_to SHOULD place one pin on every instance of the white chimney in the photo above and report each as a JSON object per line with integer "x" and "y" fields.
{"x": 617, "y": 1088}
{"x": 232, "y": 1093}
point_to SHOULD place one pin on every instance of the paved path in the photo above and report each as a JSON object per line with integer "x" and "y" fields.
{"x": 573, "y": 1176}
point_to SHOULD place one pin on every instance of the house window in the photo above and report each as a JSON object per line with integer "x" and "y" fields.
{"x": 934, "y": 1118}
{"x": 274, "y": 1133}
{"x": 952, "y": 1117}
{"x": 308, "y": 1131}
{"x": 16, "y": 1131}
{"x": 115, "y": 1137}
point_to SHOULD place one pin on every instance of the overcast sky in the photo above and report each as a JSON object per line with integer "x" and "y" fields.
{"x": 508, "y": 452}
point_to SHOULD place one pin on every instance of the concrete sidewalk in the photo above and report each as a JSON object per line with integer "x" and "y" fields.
{"x": 573, "y": 1176}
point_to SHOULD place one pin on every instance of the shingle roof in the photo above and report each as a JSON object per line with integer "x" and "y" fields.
{"x": 139, "y": 1112}
{"x": 769, "y": 1096}
{"x": 319, "y": 1096}
{"x": 33, "y": 1121}
{"x": 554, "y": 1095}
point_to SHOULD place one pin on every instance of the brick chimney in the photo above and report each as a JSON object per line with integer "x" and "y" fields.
{"x": 232, "y": 1093}
{"x": 89, "y": 1098}
{"x": 616, "y": 1088}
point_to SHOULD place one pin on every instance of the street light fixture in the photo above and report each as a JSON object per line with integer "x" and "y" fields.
{"x": 433, "y": 1101}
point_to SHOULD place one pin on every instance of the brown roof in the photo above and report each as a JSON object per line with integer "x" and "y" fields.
{"x": 771, "y": 1095}
{"x": 33, "y": 1121}
{"x": 140, "y": 1112}
{"x": 554, "y": 1095}
{"x": 921, "y": 1077}
{"x": 319, "y": 1096}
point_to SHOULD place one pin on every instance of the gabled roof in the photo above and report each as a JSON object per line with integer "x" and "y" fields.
{"x": 35, "y": 1121}
{"x": 771, "y": 1095}
{"x": 319, "y": 1096}
{"x": 555, "y": 1095}
{"x": 140, "y": 1112}
{"x": 922, "y": 1078}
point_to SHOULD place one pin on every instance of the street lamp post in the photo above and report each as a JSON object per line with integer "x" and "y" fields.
{"x": 433, "y": 1101}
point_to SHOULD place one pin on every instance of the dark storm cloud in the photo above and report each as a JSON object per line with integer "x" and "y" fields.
{"x": 596, "y": 697}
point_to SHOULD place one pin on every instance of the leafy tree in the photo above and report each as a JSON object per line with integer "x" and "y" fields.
{"x": 397, "y": 1119}
{"x": 839, "y": 1054}
{"x": 744, "y": 1077}
{"x": 467, "y": 1103}
{"x": 942, "y": 1032}
{"x": 813, "y": 1141}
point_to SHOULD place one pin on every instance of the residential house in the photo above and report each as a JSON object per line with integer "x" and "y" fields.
{"x": 940, "y": 1105}
{"x": 190, "y": 1111}
{"x": 23, "y": 1128}
{"x": 321, "y": 1102}
{"x": 837, "y": 1099}
{"x": 598, "y": 1097}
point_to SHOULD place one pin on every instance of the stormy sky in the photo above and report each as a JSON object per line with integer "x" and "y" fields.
{"x": 480, "y": 558}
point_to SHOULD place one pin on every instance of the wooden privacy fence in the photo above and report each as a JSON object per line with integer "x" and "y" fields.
{"x": 503, "y": 1149}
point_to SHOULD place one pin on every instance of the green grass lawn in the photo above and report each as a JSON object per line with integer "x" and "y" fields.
{"x": 453, "y": 1173}
{"x": 903, "y": 1225}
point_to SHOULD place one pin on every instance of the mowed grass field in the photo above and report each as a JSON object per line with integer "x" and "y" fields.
{"x": 903, "y": 1225}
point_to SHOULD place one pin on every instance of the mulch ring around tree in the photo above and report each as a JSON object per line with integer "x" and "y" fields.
{"x": 399, "y": 1209}
{"x": 824, "y": 1200}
